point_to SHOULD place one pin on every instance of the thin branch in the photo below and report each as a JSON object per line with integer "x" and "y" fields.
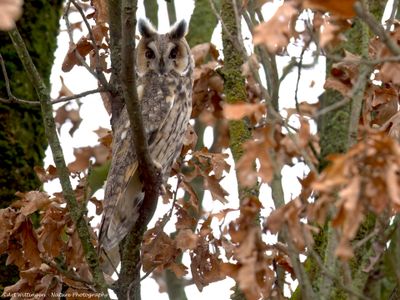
{"x": 366, "y": 61}
{"x": 376, "y": 28}
{"x": 69, "y": 274}
{"x": 333, "y": 276}
{"x": 71, "y": 42}
{"x": 149, "y": 173}
{"x": 301, "y": 274}
{"x": 7, "y": 81}
{"x": 100, "y": 74}
{"x": 332, "y": 107}
{"x": 77, "y": 96}
{"x": 53, "y": 101}
{"x": 68, "y": 193}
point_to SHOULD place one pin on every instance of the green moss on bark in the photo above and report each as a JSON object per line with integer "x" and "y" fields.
{"x": 202, "y": 23}
{"x": 234, "y": 85}
{"x": 151, "y": 8}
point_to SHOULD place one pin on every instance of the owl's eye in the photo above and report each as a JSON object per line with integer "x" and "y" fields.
{"x": 174, "y": 52}
{"x": 149, "y": 54}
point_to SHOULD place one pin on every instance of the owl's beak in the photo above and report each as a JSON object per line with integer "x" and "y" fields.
{"x": 162, "y": 68}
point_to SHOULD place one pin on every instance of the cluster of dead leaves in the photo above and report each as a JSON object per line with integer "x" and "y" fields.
{"x": 277, "y": 32}
{"x": 382, "y": 92}
{"x": 270, "y": 147}
{"x": 96, "y": 50}
{"x": 39, "y": 237}
{"x": 365, "y": 179}
{"x": 238, "y": 252}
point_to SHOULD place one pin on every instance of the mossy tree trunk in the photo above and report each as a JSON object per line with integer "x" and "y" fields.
{"x": 151, "y": 8}
{"x": 235, "y": 92}
{"x": 22, "y": 139}
{"x": 334, "y": 133}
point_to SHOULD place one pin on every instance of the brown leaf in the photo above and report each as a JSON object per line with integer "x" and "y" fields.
{"x": 83, "y": 47}
{"x": 189, "y": 140}
{"x": 33, "y": 201}
{"x": 203, "y": 52}
{"x": 184, "y": 219}
{"x": 205, "y": 266}
{"x": 217, "y": 192}
{"x": 343, "y": 9}
{"x": 82, "y": 156}
{"x": 240, "y": 110}
{"x": 45, "y": 175}
{"x": 101, "y": 11}
{"x": 62, "y": 114}
{"x": 52, "y": 230}
{"x": 10, "y": 12}
{"x": 179, "y": 269}
{"x": 64, "y": 91}
{"x": 275, "y": 34}
{"x": 49, "y": 285}
{"x": 186, "y": 239}
{"x": 158, "y": 250}
{"x": 7, "y": 219}
{"x": 30, "y": 244}
{"x": 257, "y": 148}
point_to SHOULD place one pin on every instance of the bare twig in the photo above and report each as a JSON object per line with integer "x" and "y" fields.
{"x": 301, "y": 274}
{"x": 69, "y": 274}
{"x": 53, "y": 101}
{"x": 100, "y": 74}
{"x": 333, "y": 277}
{"x": 7, "y": 81}
{"x": 332, "y": 107}
{"x": 376, "y": 28}
{"x": 364, "y": 61}
{"x": 71, "y": 41}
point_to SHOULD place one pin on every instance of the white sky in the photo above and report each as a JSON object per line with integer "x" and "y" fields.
{"x": 94, "y": 116}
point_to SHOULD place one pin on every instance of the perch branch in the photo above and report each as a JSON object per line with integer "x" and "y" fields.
{"x": 63, "y": 174}
{"x": 129, "y": 281}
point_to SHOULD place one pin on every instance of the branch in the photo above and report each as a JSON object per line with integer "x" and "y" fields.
{"x": 63, "y": 174}
{"x": 334, "y": 277}
{"x": 52, "y": 101}
{"x": 129, "y": 281}
{"x": 99, "y": 73}
{"x": 376, "y": 28}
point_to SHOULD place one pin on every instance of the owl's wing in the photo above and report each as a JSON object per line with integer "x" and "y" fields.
{"x": 123, "y": 192}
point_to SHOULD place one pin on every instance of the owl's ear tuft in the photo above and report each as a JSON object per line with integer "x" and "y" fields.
{"x": 146, "y": 29}
{"x": 178, "y": 31}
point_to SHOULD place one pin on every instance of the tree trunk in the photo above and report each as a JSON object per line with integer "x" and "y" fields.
{"x": 334, "y": 132}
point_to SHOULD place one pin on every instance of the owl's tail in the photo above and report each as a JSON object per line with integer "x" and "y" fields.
{"x": 118, "y": 219}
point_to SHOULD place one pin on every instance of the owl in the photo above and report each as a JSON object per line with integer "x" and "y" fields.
{"x": 164, "y": 67}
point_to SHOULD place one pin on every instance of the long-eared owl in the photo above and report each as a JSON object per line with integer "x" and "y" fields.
{"x": 164, "y": 69}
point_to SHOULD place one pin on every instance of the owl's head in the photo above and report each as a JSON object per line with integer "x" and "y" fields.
{"x": 162, "y": 53}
